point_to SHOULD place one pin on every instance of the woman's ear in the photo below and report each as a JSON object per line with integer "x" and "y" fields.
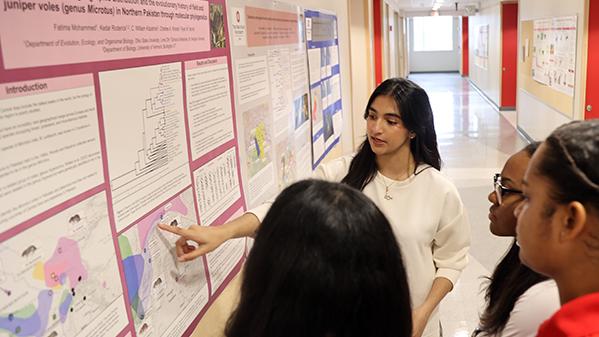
{"x": 574, "y": 221}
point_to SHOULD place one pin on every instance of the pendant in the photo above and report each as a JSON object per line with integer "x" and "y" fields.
{"x": 387, "y": 196}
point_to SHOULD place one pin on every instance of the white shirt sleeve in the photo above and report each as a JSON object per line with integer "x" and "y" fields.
{"x": 533, "y": 307}
{"x": 334, "y": 170}
{"x": 452, "y": 239}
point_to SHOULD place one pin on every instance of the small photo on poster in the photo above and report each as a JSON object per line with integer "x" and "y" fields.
{"x": 217, "y": 26}
{"x": 323, "y": 62}
{"x": 258, "y": 141}
{"x": 324, "y": 93}
{"x": 286, "y": 164}
{"x": 300, "y": 110}
{"x": 329, "y": 130}
{"x": 323, "y": 56}
{"x": 316, "y": 105}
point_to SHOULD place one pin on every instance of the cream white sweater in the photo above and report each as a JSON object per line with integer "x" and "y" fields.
{"x": 428, "y": 220}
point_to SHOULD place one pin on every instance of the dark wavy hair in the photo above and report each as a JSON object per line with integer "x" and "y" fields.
{"x": 416, "y": 115}
{"x": 570, "y": 163}
{"x": 325, "y": 262}
{"x": 509, "y": 281}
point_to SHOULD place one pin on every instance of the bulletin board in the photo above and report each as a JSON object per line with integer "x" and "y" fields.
{"x": 546, "y": 68}
{"x": 118, "y": 115}
{"x": 114, "y": 116}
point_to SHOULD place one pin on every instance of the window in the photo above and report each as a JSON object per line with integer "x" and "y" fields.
{"x": 433, "y": 33}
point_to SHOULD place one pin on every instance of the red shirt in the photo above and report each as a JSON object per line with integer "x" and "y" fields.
{"x": 577, "y": 318}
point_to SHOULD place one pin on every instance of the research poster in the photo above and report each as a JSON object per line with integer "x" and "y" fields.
{"x": 116, "y": 116}
{"x": 554, "y": 53}
{"x": 482, "y": 47}
{"x": 271, "y": 95}
{"x": 325, "y": 82}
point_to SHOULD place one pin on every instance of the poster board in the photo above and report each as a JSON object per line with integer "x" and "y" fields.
{"x": 481, "y": 53}
{"x": 534, "y": 79}
{"x": 271, "y": 96}
{"x": 120, "y": 115}
{"x": 554, "y": 53}
{"x": 114, "y": 117}
{"x": 325, "y": 82}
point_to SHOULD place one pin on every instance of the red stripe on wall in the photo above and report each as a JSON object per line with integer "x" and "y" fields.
{"x": 593, "y": 67}
{"x": 465, "y": 46}
{"x": 509, "y": 53}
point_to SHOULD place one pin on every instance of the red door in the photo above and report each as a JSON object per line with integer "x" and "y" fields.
{"x": 509, "y": 54}
{"x": 591, "y": 99}
{"x": 464, "y": 46}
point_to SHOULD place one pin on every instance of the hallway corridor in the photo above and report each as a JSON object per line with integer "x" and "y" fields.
{"x": 475, "y": 141}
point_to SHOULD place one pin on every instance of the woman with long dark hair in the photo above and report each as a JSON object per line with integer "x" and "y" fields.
{"x": 558, "y": 225}
{"x": 397, "y": 167}
{"x": 334, "y": 269}
{"x": 518, "y": 299}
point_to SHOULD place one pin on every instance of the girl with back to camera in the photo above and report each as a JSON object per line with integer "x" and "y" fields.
{"x": 397, "y": 167}
{"x": 334, "y": 269}
{"x": 558, "y": 225}
{"x": 517, "y": 298}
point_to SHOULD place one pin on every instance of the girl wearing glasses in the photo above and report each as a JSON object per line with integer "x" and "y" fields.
{"x": 518, "y": 299}
{"x": 558, "y": 225}
{"x": 397, "y": 167}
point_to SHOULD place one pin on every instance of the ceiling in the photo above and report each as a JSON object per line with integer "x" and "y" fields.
{"x": 443, "y": 5}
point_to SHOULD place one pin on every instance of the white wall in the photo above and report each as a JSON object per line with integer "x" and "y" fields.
{"x": 362, "y": 63}
{"x": 534, "y": 116}
{"x": 437, "y": 60}
{"x": 487, "y": 80}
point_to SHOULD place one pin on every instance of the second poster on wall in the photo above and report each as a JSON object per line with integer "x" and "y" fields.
{"x": 271, "y": 95}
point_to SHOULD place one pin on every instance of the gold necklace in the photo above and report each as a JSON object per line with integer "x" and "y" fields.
{"x": 387, "y": 195}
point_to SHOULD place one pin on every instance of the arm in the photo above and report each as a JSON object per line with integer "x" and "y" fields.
{"x": 441, "y": 287}
{"x": 452, "y": 239}
{"x": 209, "y": 238}
{"x": 245, "y": 225}
{"x": 450, "y": 256}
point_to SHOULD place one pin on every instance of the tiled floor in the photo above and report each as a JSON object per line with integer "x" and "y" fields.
{"x": 475, "y": 141}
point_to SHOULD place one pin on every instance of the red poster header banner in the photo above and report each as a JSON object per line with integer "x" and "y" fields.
{"x": 267, "y": 27}
{"x": 54, "y": 32}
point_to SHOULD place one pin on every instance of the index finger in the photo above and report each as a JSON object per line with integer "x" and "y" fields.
{"x": 174, "y": 229}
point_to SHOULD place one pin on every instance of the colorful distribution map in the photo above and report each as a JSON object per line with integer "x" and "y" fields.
{"x": 53, "y": 281}
{"x": 164, "y": 294}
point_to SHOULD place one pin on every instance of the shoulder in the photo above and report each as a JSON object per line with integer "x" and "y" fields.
{"x": 436, "y": 181}
{"x": 532, "y": 308}
{"x": 542, "y": 290}
{"x": 335, "y": 169}
{"x": 542, "y": 297}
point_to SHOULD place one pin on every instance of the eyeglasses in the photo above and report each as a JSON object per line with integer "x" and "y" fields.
{"x": 501, "y": 190}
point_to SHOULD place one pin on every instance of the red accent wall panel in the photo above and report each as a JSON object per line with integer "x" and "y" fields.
{"x": 465, "y": 51}
{"x": 378, "y": 35}
{"x": 593, "y": 67}
{"x": 509, "y": 53}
